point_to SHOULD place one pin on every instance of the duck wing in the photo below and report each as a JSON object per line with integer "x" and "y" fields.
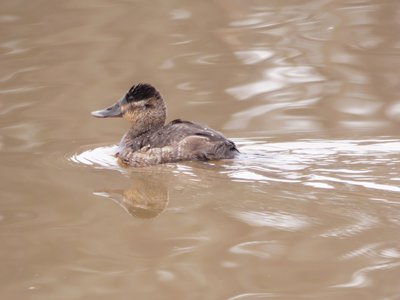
{"x": 177, "y": 130}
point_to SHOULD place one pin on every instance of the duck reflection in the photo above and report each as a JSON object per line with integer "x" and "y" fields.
{"x": 151, "y": 188}
{"x": 146, "y": 198}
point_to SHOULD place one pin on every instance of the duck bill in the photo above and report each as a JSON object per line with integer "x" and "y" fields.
{"x": 113, "y": 111}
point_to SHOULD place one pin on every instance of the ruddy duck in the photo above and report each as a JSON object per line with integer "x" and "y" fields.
{"x": 149, "y": 141}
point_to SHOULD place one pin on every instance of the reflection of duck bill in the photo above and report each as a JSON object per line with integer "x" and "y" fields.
{"x": 144, "y": 199}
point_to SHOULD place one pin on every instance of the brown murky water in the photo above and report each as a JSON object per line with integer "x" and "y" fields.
{"x": 309, "y": 90}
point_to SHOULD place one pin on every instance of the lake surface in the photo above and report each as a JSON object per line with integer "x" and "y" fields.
{"x": 309, "y": 91}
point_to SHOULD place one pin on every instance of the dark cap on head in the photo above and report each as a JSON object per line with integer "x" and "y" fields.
{"x": 140, "y": 91}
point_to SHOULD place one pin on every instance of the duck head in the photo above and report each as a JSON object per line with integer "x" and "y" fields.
{"x": 142, "y": 105}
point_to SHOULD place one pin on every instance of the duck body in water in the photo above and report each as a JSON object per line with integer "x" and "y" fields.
{"x": 150, "y": 141}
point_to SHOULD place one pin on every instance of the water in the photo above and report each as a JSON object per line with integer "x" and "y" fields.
{"x": 308, "y": 90}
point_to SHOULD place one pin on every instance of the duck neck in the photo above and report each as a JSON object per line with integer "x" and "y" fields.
{"x": 134, "y": 136}
{"x": 135, "y": 131}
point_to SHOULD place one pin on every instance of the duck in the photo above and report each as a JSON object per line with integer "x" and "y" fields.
{"x": 150, "y": 141}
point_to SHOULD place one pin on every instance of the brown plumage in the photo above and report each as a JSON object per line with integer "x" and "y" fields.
{"x": 150, "y": 142}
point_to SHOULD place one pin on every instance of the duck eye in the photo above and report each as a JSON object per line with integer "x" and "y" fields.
{"x": 128, "y": 97}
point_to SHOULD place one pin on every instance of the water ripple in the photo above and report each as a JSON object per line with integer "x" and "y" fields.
{"x": 319, "y": 163}
{"x": 275, "y": 79}
{"x": 100, "y": 157}
{"x": 250, "y": 57}
{"x": 254, "y": 296}
{"x": 13, "y": 74}
{"x": 261, "y": 249}
{"x": 362, "y": 222}
{"x": 382, "y": 252}
{"x": 278, "y": 220}
{"x": 322, "y": 164}
{"x": 18, "y": 90}
{"x": 366, "y": 184}
{"x": 360, "y": 278}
